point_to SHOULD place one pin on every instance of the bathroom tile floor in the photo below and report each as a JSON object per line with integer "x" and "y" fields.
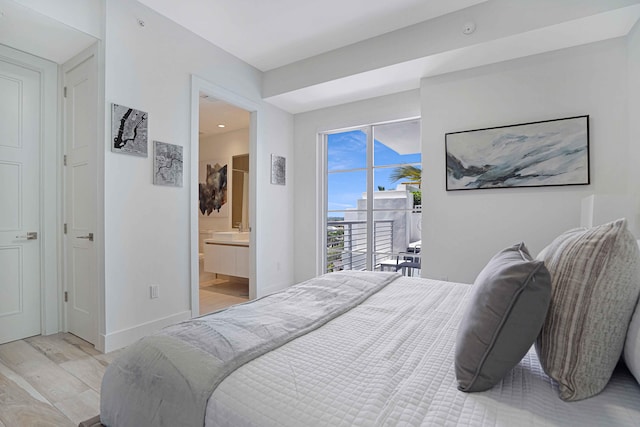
{"x": 222, "y": 292}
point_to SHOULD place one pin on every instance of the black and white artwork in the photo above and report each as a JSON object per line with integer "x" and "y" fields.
{"x": 545, "y": 153}
{"x": 128, "y": 130}
{"x": 167, "y": 164}
{"x": 278, "y": 170}
{"x": 213, "y": 188}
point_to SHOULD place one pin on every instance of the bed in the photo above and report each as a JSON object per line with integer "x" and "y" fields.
{"x": 358, "y": 348}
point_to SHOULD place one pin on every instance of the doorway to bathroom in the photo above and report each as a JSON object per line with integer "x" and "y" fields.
{"x": 223, "y": 204}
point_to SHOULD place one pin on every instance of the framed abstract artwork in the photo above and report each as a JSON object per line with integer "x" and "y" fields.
{"x": 212, "y": 188}
{"x": 536, "y": 154}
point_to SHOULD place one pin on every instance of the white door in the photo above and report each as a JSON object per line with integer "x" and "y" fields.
{"x": 80, "y": 129}
{"x": 20, "y": 129}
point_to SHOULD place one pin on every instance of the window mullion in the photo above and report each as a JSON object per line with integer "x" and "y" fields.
{"x": 325, "y": 199}
{"x": 370, "y": 195}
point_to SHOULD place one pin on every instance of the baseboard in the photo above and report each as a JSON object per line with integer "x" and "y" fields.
{"x": 268, "y": 290}
{"x": 124, "y": 337}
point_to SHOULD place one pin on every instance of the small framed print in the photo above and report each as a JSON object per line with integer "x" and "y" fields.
{"x": 278, "y": 170}
{"x": 129, "y": 132}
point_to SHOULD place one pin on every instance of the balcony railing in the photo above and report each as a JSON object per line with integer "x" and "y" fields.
{"x": 347, "y": 244}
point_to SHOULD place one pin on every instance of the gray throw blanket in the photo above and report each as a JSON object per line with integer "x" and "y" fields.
{"x": 166, "y": 379}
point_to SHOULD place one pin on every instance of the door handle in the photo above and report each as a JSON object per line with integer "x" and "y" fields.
{"x": 31, "y": 235}
{"x": 88, "y": 237}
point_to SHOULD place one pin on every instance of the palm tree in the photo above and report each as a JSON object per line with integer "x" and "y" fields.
{"x": 414, "y": 175}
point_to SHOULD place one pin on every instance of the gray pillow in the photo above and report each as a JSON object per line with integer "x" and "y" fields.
{"x": 503, "y": 318}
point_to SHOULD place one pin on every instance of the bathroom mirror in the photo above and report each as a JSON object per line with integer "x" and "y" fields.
{"x": 240, "y": 191}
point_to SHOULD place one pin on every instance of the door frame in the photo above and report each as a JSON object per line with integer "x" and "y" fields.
{"x": 198, "y": 85}
{"x": 50, "y": 208}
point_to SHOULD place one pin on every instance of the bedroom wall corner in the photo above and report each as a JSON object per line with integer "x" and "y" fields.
{"x": 462, "y": 230}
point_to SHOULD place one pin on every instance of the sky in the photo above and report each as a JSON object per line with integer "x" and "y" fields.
{"x": 347, "y": 151}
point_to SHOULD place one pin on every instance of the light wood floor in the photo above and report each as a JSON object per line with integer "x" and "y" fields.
{"x": 50, "y": 381}
{"x": 54, "y": 381}
{"x": 222, "y": 292}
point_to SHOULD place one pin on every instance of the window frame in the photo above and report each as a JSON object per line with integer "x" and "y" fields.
{"x": 370, "y": 169}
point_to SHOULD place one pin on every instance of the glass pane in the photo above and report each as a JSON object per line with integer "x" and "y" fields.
{"x": 397, "y": 143}
{"x": 396, "y": 238}
{"x": 385, "y": 232}
{"x": 396, "y": 197}
{"x": 347, "y": 150}
{"x": 346, "y": 240}
{"x": 399, "y": 178}
{"x": 347, "y": 190}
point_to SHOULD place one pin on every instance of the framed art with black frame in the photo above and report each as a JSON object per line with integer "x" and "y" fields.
{"x": 536, "y": 154}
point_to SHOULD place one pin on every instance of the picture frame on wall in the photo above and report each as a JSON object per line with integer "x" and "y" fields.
{"x": 129, "y": 130}
{"x": 167, "y": 164}
{"x": 278, "y": 170}
{"x": 536, "y": 154}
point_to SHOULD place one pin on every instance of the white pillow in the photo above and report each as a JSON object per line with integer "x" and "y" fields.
{"x": 632, "y": 344}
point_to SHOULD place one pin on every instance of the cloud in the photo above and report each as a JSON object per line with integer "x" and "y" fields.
{"x": 347, "y": 150}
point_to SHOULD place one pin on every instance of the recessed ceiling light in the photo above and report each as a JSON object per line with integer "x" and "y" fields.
{"x": 220, "y": 125}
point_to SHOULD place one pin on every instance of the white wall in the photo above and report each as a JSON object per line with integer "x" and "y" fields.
{"x": 633, "y": 93}
{"x": 274, "y": 205}
{"x": 147, "y": 227}
{"x": 462, "y": 230}
{"x": 223, "y": 147}
{"x": 308, "y": 172}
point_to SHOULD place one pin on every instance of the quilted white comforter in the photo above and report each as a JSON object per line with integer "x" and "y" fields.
{"x": 388, "y": 362}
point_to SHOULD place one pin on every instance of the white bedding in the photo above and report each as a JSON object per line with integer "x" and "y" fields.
{"x": 389, "y": 362}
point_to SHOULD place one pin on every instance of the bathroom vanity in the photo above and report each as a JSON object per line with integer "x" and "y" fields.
{"x": 227, "y": 252}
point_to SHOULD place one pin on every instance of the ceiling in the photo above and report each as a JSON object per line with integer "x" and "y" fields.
{"x": 53, "y": 40}
{"x": 270, "y": 34}
{"x": 214, "y": 112}
{"x": 317, "y": 54}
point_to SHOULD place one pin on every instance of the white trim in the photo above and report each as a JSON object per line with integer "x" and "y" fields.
{"x": 98, "y": 315}
{"x": 49, "y": 184}
{"x": 125, "y": 337}
{"x": 328, "y": 130}
{"x": 370, "y": 213}
{"x": 322, "y": 191}
{"x": 198, "y": 85}
{"x": 100, "y": 174}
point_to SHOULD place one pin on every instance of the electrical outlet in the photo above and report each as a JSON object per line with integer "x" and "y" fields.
{"x": 153, "y": 291}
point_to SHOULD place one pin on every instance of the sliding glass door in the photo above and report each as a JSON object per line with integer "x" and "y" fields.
{"x": 373, "y": 197}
